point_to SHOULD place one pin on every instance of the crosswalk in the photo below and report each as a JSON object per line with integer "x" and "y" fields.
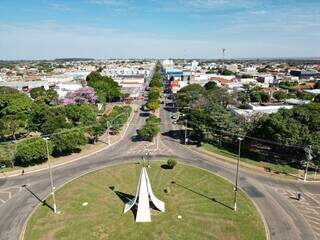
{"x": 7, "y": 193}
{"x": 308, "y": 206}
{"x": 142, "y": 148}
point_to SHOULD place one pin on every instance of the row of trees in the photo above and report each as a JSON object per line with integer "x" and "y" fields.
{"x": 27, "y": 120}
{"x": 268, "y": 137}
{"x": 150, "y": 129}
{"x": 152, "y": 125}
{"x": 64, "y": 141}
{"x": 204, "y": 108}
{"x": 155, "y": 89}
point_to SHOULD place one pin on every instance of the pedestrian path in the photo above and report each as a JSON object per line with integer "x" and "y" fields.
{"x": 308, "y": 206}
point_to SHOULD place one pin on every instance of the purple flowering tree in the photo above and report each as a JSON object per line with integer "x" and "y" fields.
{"x": 81, "y": 96}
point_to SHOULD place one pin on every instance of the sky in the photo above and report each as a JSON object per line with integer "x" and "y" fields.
{"x": 48, "y": 29}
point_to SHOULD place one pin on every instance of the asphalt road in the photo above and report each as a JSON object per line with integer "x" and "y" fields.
{"x": 283, "y": 219}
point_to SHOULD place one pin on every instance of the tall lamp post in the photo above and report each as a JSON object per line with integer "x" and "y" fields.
{"x": 309, "y": 158}
{"x": 237, "y": 176}
{"x": 51, "y": 178}
{"x": 185, "y": 132}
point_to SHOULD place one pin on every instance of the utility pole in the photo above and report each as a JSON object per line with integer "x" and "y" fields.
{"x": 185, "y": 131}
{"x": 108, "y": 134}
{"x": 309, "y": 158}
{"x": 223, "y": 55}
{"x": 51, "y": 178}
{"x": 237, "y": 175}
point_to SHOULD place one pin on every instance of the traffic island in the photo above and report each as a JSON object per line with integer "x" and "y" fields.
{"x": 198, "y": 206}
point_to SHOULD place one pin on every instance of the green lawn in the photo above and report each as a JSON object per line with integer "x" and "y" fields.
{"x": 273, "y": 167}
{"x": 190, "y": 196}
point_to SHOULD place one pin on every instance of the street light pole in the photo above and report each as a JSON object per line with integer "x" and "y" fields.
{"x": 237, "y": 176}
{"x": 185, "y": 131}
{"x": 309, "y": 158}
{"x": 51, "y": 178}
{"x": 108, "y": 134}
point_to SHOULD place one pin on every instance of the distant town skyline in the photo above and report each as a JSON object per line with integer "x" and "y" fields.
{"x": 47, "y": 29}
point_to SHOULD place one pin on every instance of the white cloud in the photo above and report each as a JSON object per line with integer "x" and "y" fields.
{"x": 49, "y": 40}
{"x": 60, "y": 7}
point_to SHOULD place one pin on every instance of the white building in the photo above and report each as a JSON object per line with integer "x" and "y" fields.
{"x": 26, "y": 86}
{"x": 64, "y": 88}
{"x": 194, "y": 64}
{"x": 167, "y": 63}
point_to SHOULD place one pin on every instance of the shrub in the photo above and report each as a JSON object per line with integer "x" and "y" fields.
{"x": 171, "y": 163}
{"x": 31, "y": 151}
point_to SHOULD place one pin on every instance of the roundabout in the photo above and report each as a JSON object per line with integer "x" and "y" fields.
{"x": 198, "y": 206}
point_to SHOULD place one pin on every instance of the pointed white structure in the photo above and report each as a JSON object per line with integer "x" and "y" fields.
{"x": 144, "y": 196}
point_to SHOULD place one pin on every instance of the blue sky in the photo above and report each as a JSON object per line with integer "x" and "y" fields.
{"x": 46, "y": 29}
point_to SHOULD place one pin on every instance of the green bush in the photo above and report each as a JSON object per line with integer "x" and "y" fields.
{"x": 171, "y": 163}
{"x": 68, "y": 140}
{"x": 31, "y": 151}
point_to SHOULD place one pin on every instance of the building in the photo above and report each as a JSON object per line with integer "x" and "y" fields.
{"x": 305, "y": 74}
{"x": 255, "y": 110}
{"x": 27, "y": 86}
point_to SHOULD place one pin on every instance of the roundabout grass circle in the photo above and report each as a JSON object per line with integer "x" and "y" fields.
{"x": 198, "y": 206}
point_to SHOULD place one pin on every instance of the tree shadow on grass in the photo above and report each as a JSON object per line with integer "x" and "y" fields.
{"x": 44, "y": 203}
{"x": 165, "y": 166}
{"x": 200, "y": 194}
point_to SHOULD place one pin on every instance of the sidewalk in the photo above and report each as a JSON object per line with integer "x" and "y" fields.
{"x": 87, "y": 151}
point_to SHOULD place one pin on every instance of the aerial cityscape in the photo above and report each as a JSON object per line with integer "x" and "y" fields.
{"x": 194, "y": 119}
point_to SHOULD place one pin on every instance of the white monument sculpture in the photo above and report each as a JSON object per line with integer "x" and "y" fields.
{"x": 144, "y": 196}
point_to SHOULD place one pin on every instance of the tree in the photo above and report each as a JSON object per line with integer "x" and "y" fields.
{"x": 279, "y": 95}
{"x": 225, "y": 72}
{"x": 189, "y": 94}
{"x": 153, "y": 105}
{"x": 11, "y": 125}
{"x": 265, "y": 97}
{"x": 154, "y": 93}
{"x": 150, "y": 129}
{"x": 211, "y": 85}
{"x": 85, "y": 95}
{"x": 39, "y": 94}
{"x": 13, "y": 103}
{"x": 317, "y": 98}
{"x": 38, "y": 116}
{"x": 255, "y": 96}
{"x": 106, "y": 88}
{"x": 32, "y": 151}
{"x": 304, "y": 95}
{"x": 81, "y": 115}
{"x": 66, "y": 141}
